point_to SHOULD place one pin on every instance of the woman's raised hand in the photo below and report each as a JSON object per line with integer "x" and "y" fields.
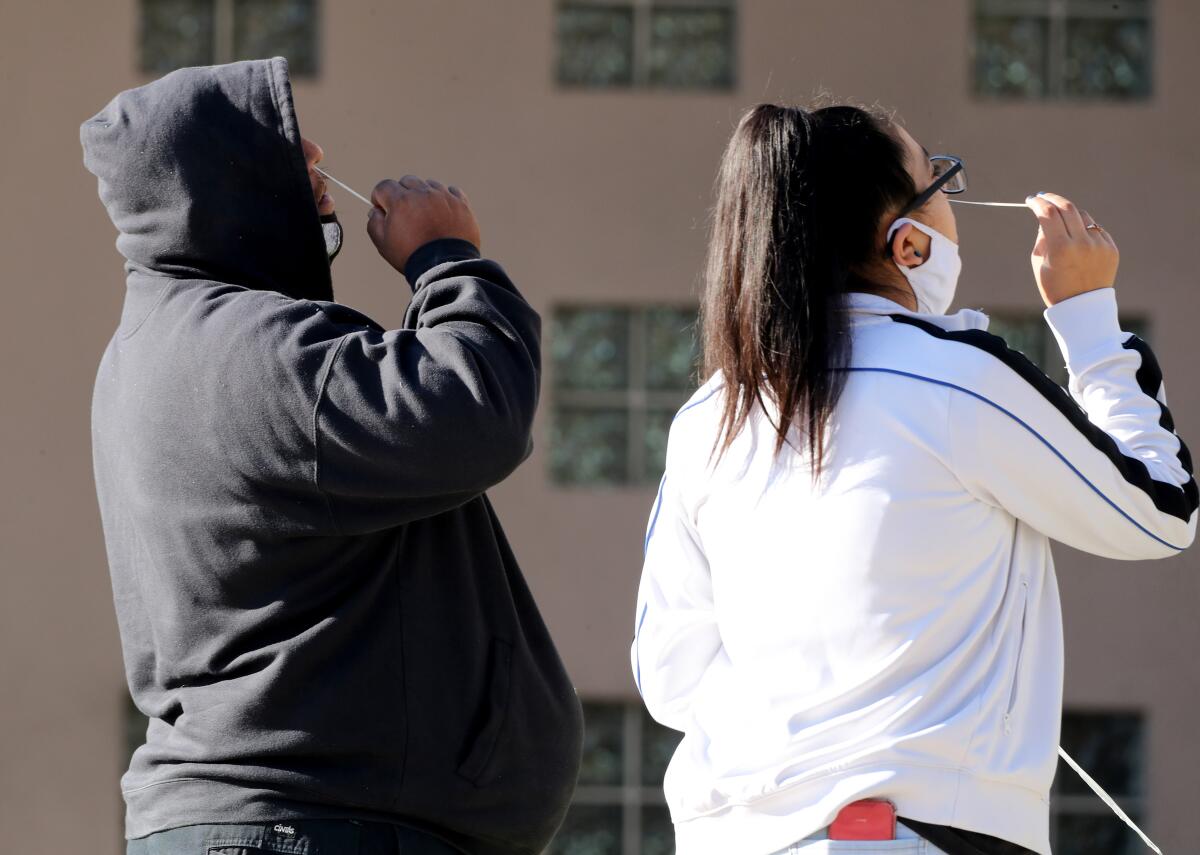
{"x": 1072, "y": 254}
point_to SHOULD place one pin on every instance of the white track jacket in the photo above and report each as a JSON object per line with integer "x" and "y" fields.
{"x": 895, "y": 631}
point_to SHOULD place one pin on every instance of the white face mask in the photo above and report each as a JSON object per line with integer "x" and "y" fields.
{"x": 933, "y": 282}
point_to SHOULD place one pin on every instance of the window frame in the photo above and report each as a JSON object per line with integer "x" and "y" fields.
{"x": 1088, "y": 804}
{"x": 636, "y": 399}
{"x": 643, "y": 11}
{"x": 1032, "y": 321}
{"x": 631, "y": 795}
{"x": 225, "y": 37}
{"x": 1058, "y": 14}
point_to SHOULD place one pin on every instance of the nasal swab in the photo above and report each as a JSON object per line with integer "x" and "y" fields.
{"x": 365, "y": 200}
{"x": 991, "y": 204}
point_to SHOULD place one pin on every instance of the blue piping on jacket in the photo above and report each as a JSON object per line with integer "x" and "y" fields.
{"x": 658, "y": 501}
{"x": 1040, "y": 438}
{"x": 637, "y": 633}
{"x": 637, "y": 653}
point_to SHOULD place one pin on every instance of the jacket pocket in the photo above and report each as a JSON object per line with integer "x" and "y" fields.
{"x": 1016, "y": 673}
{"x": 489, "y": 719}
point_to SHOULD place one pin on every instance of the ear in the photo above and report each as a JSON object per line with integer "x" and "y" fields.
{"x": 908, "y": 250}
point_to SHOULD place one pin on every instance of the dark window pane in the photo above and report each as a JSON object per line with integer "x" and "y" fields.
{"x": 670, "y": 348}
{"x": 658, "y": 427}
{"x": 658, "y": 834}
{"x": 658, "y": 745}
{"x": 1092, "y": 835}
{"x": 135, "y": 727}
{"x": 588, "y": 830}
{"x": 1109, "y": 747}
{"x": 264, "y": 28}
{"x": 1030, "y": 335}
{"x": 1138, "y": 326}
{"x": 176, "y": 33}
{"x": 1108, "y": 58}
{"x": 603, "y": 740}
{"x": 1027, "y": 335}
{"x": 588, "y": 446}
{"x": 691, "y": 47}
{"x": 1010, "y": 55}
{"x": 590, "y": 349}
{"x": 595, "y": 45}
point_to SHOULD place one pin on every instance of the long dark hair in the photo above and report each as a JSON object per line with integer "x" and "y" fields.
{"x": 800, "y": 199}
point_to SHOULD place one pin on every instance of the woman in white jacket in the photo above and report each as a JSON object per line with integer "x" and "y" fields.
{"x": 848, "y": 591}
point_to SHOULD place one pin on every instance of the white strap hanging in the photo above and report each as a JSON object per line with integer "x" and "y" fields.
{"x": 1107, "y": 799}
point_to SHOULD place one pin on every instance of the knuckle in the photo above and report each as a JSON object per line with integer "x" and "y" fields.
{"x": 385, "y": 189}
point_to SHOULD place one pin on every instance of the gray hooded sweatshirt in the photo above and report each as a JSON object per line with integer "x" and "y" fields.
{"x": 319, "y": 612}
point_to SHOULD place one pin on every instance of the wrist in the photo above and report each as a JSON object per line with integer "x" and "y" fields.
{"x": 1085, "y": 326}
{"x": 434, "y": 252}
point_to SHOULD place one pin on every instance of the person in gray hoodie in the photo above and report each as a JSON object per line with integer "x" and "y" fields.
{"x": 319, "y": 612}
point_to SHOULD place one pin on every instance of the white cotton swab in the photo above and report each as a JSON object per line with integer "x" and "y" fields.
{"x": 991, "y": 204}
{"x": 348, "y": 189}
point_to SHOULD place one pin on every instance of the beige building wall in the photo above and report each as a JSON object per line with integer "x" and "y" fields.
{"x": 585, "y": 197}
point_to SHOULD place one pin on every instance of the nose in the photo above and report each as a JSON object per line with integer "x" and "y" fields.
{"x": 313, "y": 153}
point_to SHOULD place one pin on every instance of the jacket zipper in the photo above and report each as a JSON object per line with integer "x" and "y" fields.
{"x": 1012, "y": 690}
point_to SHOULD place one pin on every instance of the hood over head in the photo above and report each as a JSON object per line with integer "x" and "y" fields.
{"x": 203, "y": 174}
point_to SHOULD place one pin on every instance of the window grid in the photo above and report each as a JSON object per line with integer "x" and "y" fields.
{"x": 225, "y": 31}
{"x": 1057, "y": 14}
{"x": 1130, "y": 795}
{"x": 632, "y": 795}
{"x": 636, "y": 399}
{"x": 1028, "y": 333}
{"x": 643, "y": 12}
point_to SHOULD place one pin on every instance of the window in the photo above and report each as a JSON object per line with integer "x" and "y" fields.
{"x": 1028, "y": 333}
{"x": 684, "y": 44}
{"x": 1063, "y": 48}
{"x": 178, "y": 33}
{"x": 620, "y": 375}
{"x": 1111, "y": 748}
{"x": 135, "y": 728}
{"x": 619, "y": 807}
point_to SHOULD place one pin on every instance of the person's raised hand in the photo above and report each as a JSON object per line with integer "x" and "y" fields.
{"x": 1072, "y": 254}
{"x": 410, "y": 212}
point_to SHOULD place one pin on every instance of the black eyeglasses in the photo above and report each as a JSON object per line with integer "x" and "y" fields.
{"x": 949, "y": 176}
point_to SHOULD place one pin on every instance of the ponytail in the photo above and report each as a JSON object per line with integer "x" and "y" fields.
{"x": 800, "y": 198}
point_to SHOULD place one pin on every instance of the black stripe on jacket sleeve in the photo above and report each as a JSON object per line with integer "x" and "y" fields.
{"x": 1179, "y": 502}
{"x": 1150, "y": 379}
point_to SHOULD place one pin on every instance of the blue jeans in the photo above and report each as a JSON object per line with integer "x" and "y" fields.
{"x": 294, "y": 837}
{"x": 907, "y": 842}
